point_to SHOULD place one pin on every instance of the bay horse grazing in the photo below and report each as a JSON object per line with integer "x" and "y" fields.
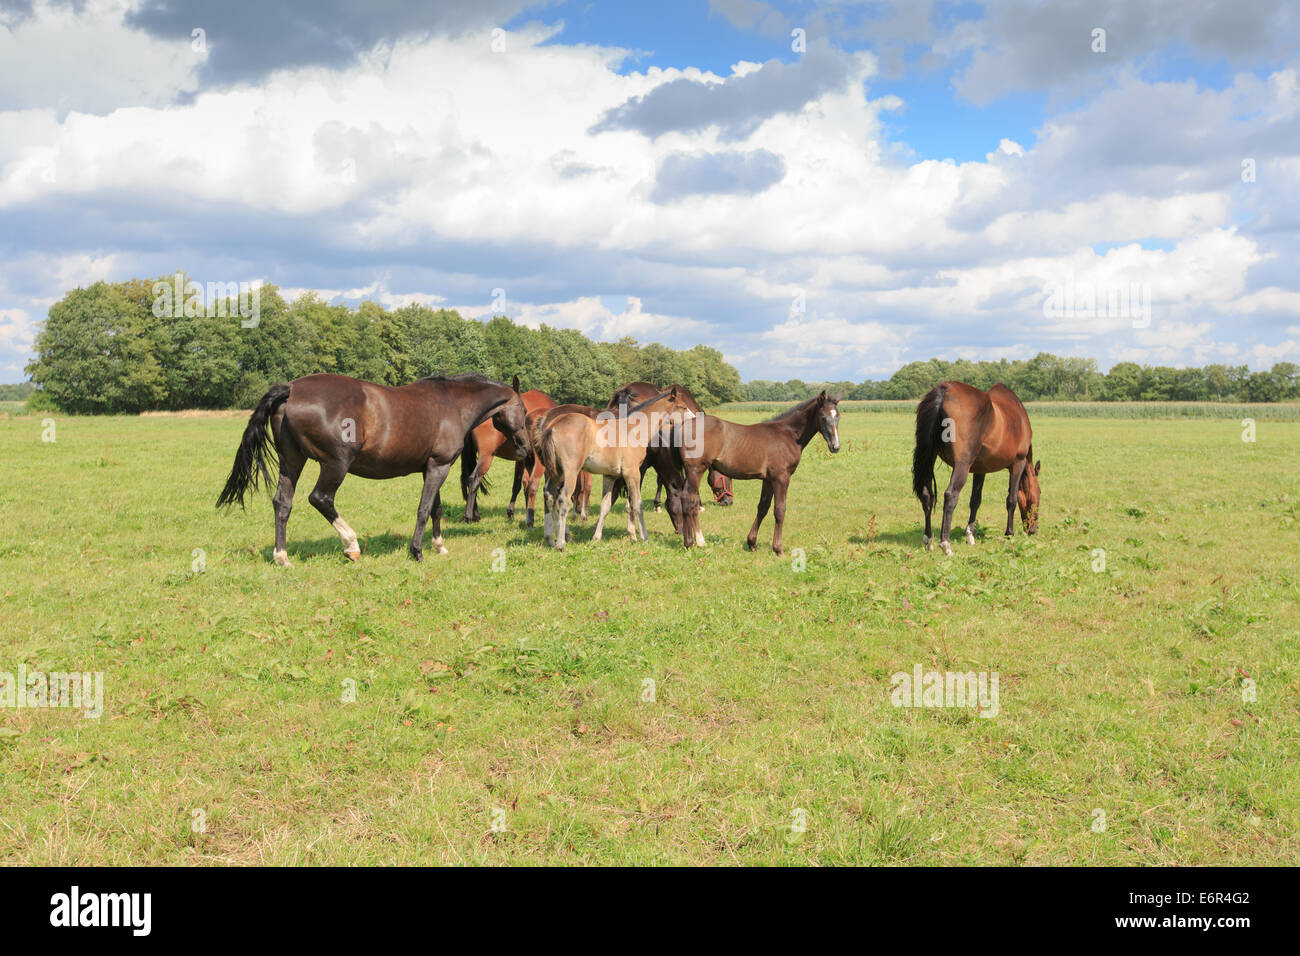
{"x": 534, "y": 471}
{"x": 769, "y": 451}
{"x": 375, "y": 431}
{"x": 976, "y": 433}
{"x": 611, "y": 444}
{"x": 492, "y": 443}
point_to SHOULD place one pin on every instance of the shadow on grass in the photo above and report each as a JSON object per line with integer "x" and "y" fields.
{"x": 375, "y": 545}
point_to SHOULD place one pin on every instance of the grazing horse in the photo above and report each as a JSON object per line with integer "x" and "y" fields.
{"x": 609, "y": 444}
{"x": 492, "y": 443}
{"x": 375, "y": 431}
{"x": 535, "y": 471}
{"x": 659, "y": 457}
{"x": 770, "y": 451}
{"x": 976, "y": 433}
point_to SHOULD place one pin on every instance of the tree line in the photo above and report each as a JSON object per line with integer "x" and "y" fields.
{"x": 1048, "y": 377}
{"x": 110, "y": 349}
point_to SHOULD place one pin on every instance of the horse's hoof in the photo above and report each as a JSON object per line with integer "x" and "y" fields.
{"x": 970, "y": 537}
{"x": 947, "y": 548}
{"x": 929, "y": 543}
{"x": 416, "y": 555}
{"x": 282, "y": 559}
{"x": 352, "y": 555}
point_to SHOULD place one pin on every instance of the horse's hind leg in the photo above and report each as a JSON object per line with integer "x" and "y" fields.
{"x": 291, "y": 462}
{"x": 635, "y": 510}
{"x": 976, "y": 492}
{"x": 959, "y": 472}
{"x": 582, "y": 496}
{"x": 332, "y": 474}
{"x": 563, "y": 501}
{"x": 548, "y": 507}
{"x": 927, "y": 505}
{"x": 609, "y": 488}
{"x": 764, "y": 502}
{"x": 1017, "y": 470}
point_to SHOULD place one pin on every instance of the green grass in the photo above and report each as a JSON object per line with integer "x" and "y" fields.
{"x": 1281, "y": 411}
{"x": 521, "y": 691}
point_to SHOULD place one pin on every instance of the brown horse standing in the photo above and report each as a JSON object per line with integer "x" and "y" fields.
{"x": 493, "y": 443}
{"x": 375, "y": 431}
{"x": 659, "y": 457}
{"x": 769, "y": 451}
{"x": 976, "y": 433}
{"x": 612, "y": 445}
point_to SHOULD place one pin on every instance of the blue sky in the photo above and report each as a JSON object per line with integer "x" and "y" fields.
{"x": 915, "y": 182}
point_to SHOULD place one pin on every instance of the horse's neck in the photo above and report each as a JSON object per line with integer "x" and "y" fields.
{"x": 804, "y": 429}
{"x": 477, "y": 410}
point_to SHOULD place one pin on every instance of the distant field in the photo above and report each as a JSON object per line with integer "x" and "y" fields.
{"x": 1282, "y": 411}
{"x": 503, "y": 716}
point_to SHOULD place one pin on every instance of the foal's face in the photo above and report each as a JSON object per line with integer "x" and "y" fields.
{"x": 828, "y": 420}
{"x": 1027, "y": 497}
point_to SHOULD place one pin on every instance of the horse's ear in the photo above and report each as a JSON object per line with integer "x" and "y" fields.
{"x": 1038, "y": 466}
{"x": 515, "y": 384}
{"x": 821, "y": 399}
{"x": 673, "y": 393}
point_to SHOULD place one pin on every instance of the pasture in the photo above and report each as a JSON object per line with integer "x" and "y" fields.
{"x": 502, "y": 710}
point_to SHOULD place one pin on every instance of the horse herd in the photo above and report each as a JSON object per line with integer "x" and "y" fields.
{"x": 377, "y": 431}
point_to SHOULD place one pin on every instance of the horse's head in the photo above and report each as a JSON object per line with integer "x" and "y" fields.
{"x": 828, "y": 420}
{"x": 1027, "y": 496}
{"x": 684, "y": 510}
{"x": 512, "y": 419}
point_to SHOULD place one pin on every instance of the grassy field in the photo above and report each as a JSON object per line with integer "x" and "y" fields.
{"x": 501, "y": 716}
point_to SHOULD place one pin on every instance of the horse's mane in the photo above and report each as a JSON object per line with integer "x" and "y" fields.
{"x": 648, "y": 401}
{"x": 790, "y": 413}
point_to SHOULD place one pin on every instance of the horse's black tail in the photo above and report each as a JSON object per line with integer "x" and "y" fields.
{"x": 929, "y": 415}
{"x": 254, "y": 449}
{"x": 468, "y": 462}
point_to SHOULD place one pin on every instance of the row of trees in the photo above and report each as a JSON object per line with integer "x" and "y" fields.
{"x": 106, "y": 350}
{"x": 1052, "y": 377}
{"x": 111, "y": 348}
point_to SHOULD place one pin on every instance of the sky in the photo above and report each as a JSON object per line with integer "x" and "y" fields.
{"x": 821, "y": 191}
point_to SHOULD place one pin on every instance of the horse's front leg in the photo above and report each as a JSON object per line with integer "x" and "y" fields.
{"x": 764, "y": 502}
{"x": 1017, "y": 471}
{"x": 434, "y": 476}
{"x": 635, "y": 510}
{"x": 780, "y": 487}
{"x": 514, "y": 489}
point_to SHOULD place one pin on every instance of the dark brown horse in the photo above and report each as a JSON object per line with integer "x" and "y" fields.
{"x": 660, "y": 458}
{"x": 976, "y": 433}
{"x": 493, "y": 443}
{"x": 375, "y": 431}
{"x": 769, "y": 451}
